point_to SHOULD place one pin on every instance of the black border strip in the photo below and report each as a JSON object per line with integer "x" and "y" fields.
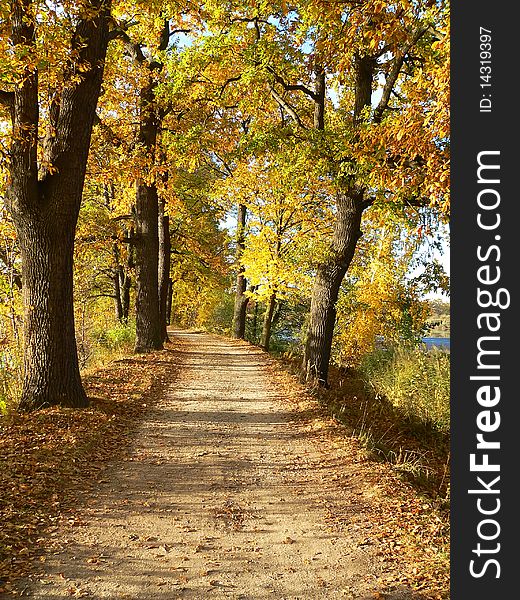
{"x": 484, "y": 120}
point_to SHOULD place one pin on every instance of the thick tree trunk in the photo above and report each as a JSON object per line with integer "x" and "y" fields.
{"x": 149, "y": 335}
{"x": 164, "y": 268}
{"x": 44, "y": 202}
{"x": 241, "y": 300}
{"x": 51, "y": 368}
{"x": 326, "y": 287}
{"x": 268, "y": 321}
{"x": 148, "y": 323}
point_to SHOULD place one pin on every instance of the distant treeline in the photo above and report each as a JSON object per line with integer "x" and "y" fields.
{"x": 439, "y": 321}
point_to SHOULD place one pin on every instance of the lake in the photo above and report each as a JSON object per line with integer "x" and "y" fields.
{"x": 437, "y": 342}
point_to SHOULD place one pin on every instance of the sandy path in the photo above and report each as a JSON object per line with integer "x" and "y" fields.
{"x": 221, "y": 497}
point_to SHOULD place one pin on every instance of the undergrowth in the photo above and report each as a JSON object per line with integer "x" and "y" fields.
{"x": 397, "y": 405}
{"x": 414, "y": 381}
{"x": 96, "y": 349}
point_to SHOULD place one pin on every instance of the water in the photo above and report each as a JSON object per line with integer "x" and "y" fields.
{"x": 437, "y": 342}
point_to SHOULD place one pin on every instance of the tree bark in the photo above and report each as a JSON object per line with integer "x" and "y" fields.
{"x": 51, "y": 367}
{"x": 148, "y": 324}
{"x": 164, "y": 269}
{"x": 126, "y": 277}
{"x": 117, "y": 278}
{"x": 328, "y": 280}
{"x": 118, "y": 304}
{"x": 241, "y": 300}
{"x": 349, "y": 209}
{"x": 44, "y": 203}
{"x": 255, "y": 322}
{"x": 149, "y": 334}
{"x": 268, "y": 321}
{"x": 169, "y": 302}
{"x": 319, "y": 101}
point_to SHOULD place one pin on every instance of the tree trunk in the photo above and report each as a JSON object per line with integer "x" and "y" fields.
{"x": 326, "y": 287}
{"x": 117, "y": 279}
{"x": 51, "y": 367}
{"x": 149, "y": 334}
{"x": 268, "y": 321}
{"x": 319, "y": 99}
{"x": 349, "y": 209}
{"x": 148, "y": 324}
{"x": 169, "y": 302}
{"x": 44, "y": 202}
{"x": 164, "y": 268}
{"x": 241, "y": 300}
{"x": 255, "y": 321}
{"x": 118, "y": 304}
{"x": 126, "y": 278}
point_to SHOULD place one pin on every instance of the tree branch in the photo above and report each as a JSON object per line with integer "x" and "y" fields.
{"x": 287, "y": 107}
{"x": 367, "y": 203}
{"x": 394, "y": 74}
{"x": 227, "y": 82}
{"x": 288, "y": 87}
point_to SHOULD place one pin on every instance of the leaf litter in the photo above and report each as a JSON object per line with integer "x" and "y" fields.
{"x": 48, "y": 458}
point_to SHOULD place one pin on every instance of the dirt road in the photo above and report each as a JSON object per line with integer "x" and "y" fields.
{"x": 224, "y": 495}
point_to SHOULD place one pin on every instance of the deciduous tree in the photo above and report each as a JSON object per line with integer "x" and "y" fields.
{"x": 46, "y": 180}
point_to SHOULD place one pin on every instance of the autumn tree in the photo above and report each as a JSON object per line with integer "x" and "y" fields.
{"x": 103, "y": 253}
{"x": 50, "y": 92}
{"x": 150, "y": 332}
{"x": 383, "y": 45}
{"x": 380, "y": 299}
{"x": 241, "y": 300}
{"x": 199, "y": 246}
{"x": 287, "y": 217}
{"x": 362, "y": 87}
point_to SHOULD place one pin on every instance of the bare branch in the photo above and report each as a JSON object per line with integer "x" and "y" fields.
{"x": 175, "y": 31}
{"x": 227, "y": 82}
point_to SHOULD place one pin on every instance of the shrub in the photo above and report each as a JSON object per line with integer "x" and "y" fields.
{"x": 10, "y": 378}
{"x": 117, "y": 337}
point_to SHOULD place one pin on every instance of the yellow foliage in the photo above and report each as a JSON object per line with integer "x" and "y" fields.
{"x": 379, "y": 304}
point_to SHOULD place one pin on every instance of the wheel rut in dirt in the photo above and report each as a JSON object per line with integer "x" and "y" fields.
{"x": 220, "y": 497}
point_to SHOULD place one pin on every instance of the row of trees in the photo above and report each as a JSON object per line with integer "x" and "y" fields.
{"x": 162, "y": 117}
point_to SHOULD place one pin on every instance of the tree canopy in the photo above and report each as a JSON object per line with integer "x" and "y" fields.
{"x": 133, "y": 134}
